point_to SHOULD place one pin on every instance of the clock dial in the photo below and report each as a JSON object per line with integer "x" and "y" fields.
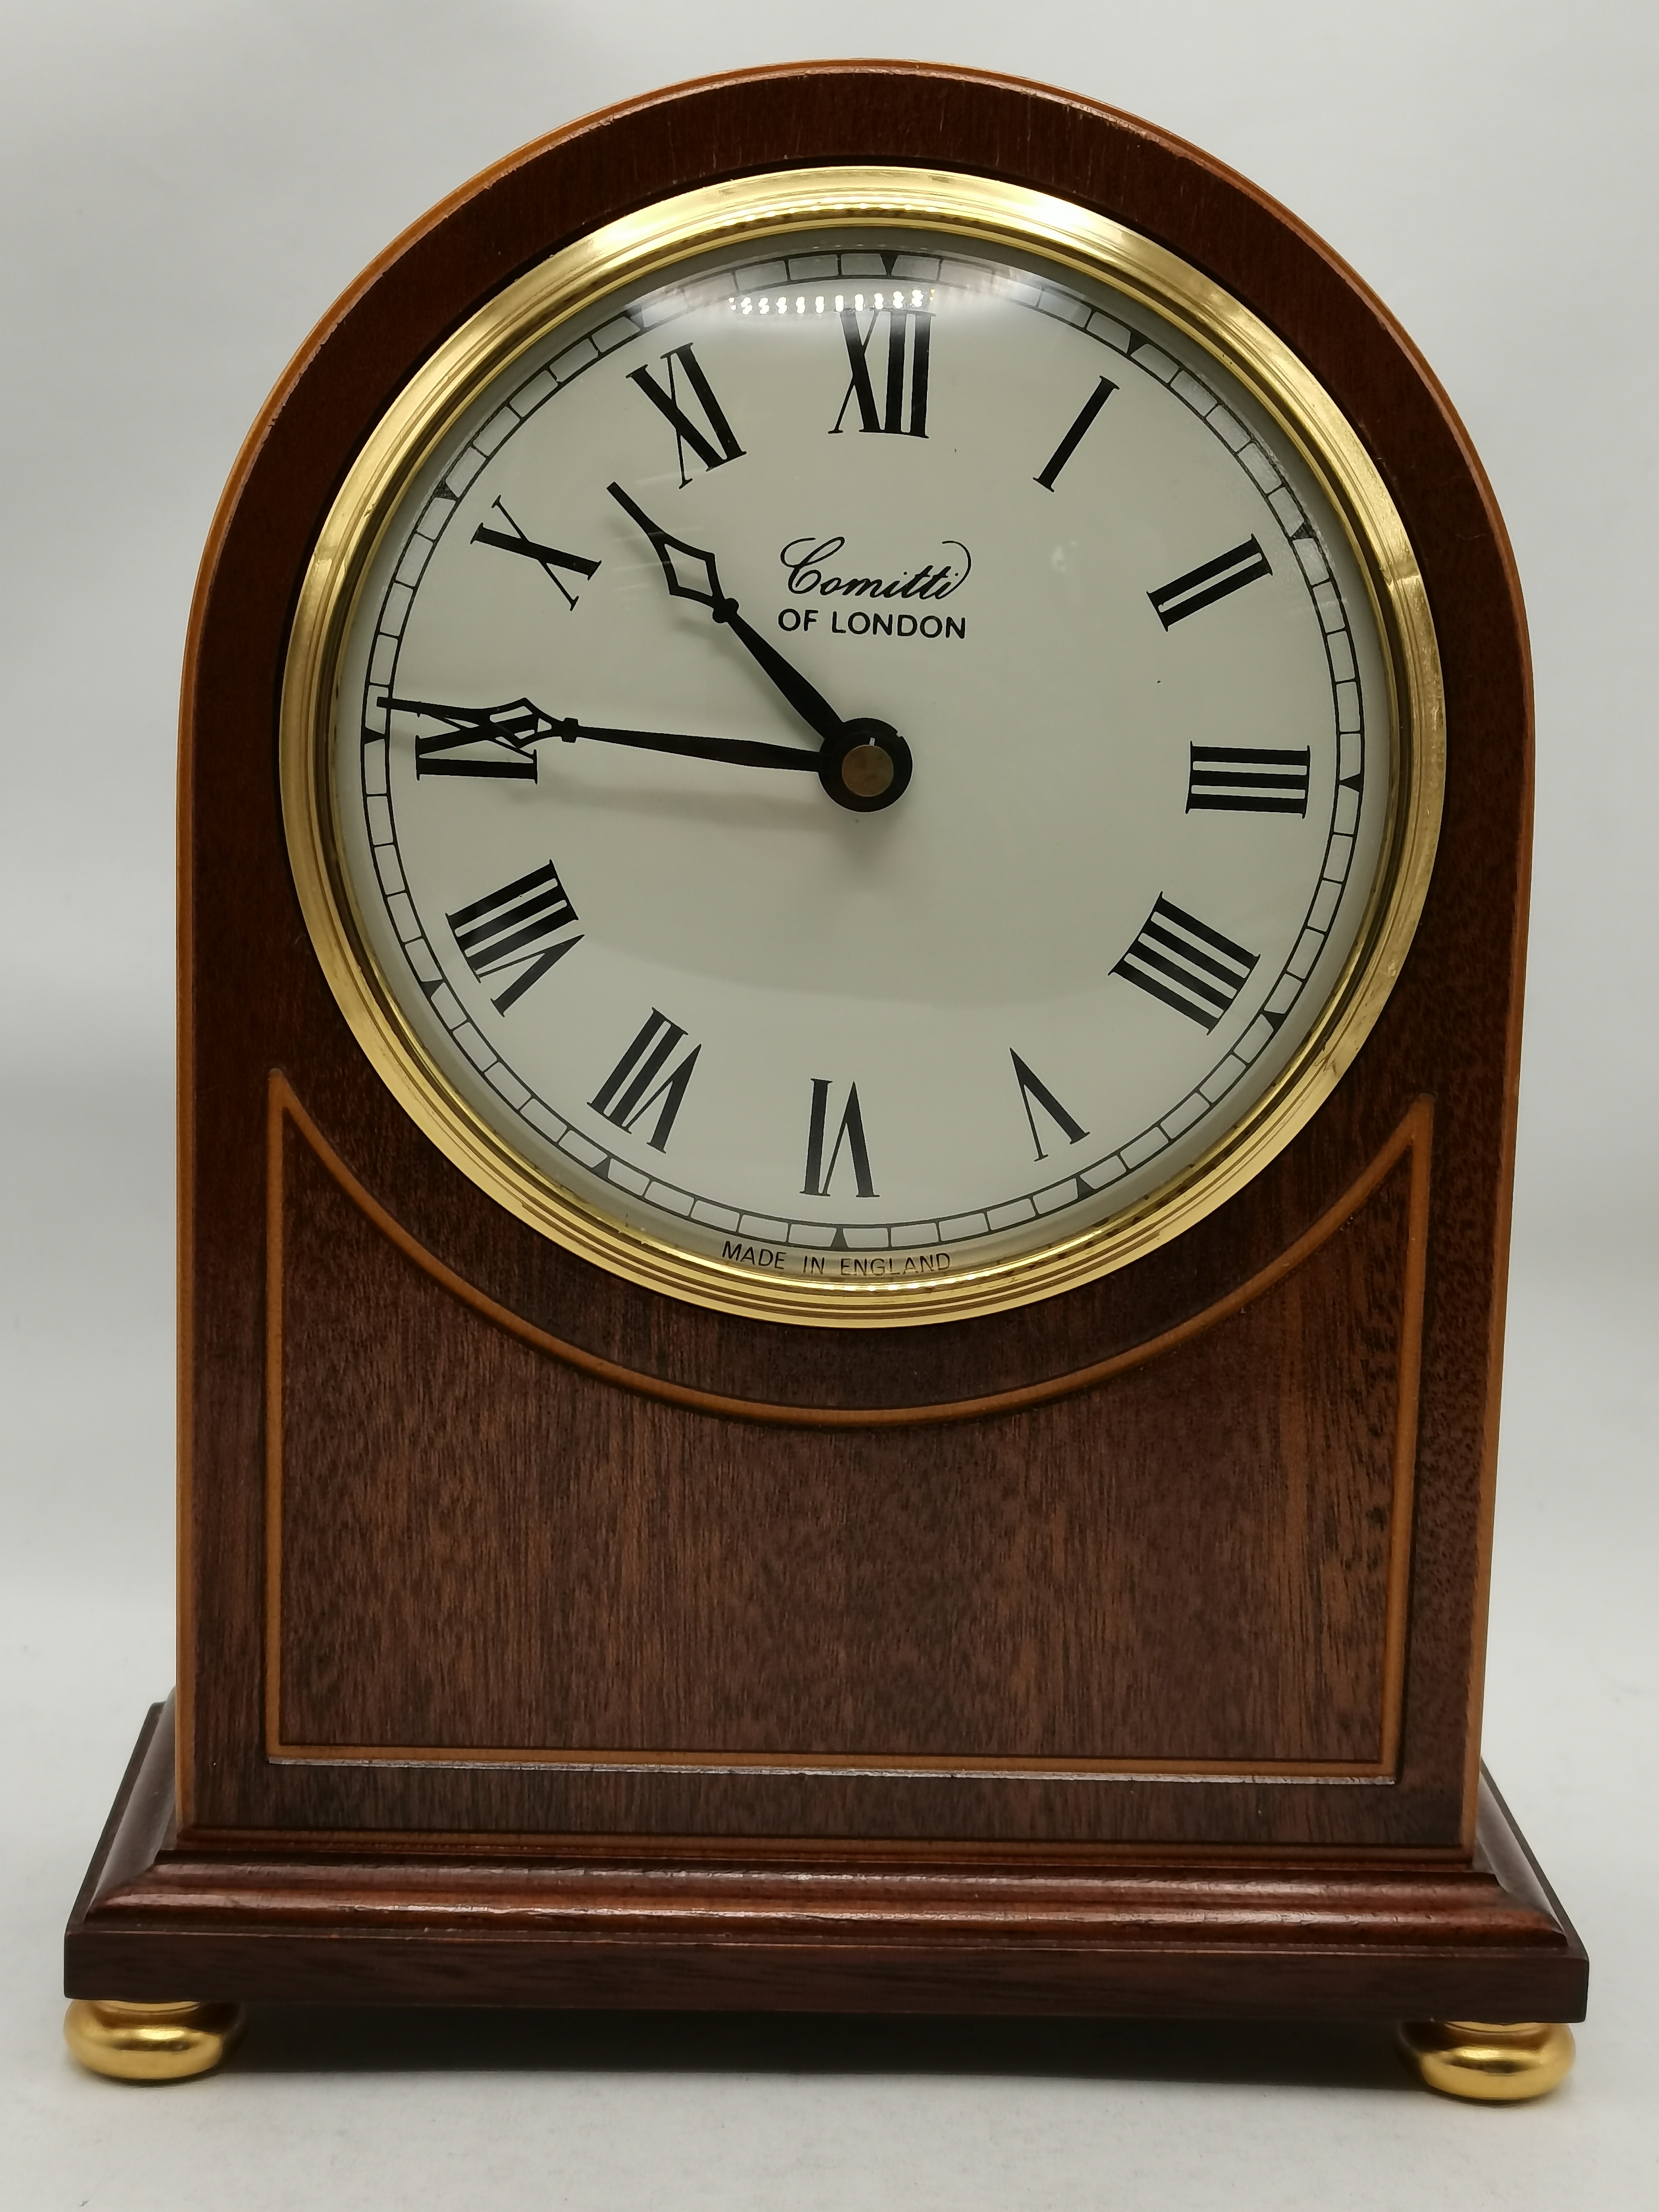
{"x": 861, "y": 762}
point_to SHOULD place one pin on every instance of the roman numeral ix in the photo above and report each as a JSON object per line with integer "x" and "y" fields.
{"x": 1191, "y": 967}
{"x": 548, "y": 558}
{"x": 1073, "y": 438}
{"x": 1247, "y": 780}
{"x": 849, "y": 1131}
{"x": 505, "y": 730}
{"x": 627, "y": 1095}
{"x": 904, "y": 408}
{"x": 1033, "y": 1091}
{"x": 711, "y": 441}
{"x": 1215, "y": 579}
{"x": 520, "y": 927}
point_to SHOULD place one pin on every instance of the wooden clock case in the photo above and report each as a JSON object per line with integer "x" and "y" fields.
{"x": 546, "y": 1641}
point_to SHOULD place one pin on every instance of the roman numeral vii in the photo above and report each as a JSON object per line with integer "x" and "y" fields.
{"x": 643, "y": 1079}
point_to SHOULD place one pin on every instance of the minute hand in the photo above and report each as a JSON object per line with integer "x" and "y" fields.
{"x": 807, "y": 700}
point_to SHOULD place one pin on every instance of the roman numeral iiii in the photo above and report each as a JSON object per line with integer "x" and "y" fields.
{"x": 1185, "y": 963}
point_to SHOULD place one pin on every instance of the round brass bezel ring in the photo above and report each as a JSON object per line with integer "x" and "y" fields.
{"x": 741, "y": 215}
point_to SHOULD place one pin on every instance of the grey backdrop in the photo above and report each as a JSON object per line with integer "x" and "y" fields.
{"x": 187, "y": 185}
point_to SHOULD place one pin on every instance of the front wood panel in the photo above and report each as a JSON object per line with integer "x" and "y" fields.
{"x": 480, "y": 1549}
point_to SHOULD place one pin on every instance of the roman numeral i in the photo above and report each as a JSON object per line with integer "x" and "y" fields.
{"x": 632, "y": 1088}
{"x": 1185, "y": 963}
{"x": 711, "y": 441}
{"x": 520, "y": 927}
{"x": 903, "y": 408}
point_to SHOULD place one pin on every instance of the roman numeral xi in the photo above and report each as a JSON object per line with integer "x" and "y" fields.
{"x": 633, "y": 1088}
{"x": 902, "y": 409}
{"x": 520, "y": 927}
{"x": 709, "y": 439}
{"x": 1190, "y": 966}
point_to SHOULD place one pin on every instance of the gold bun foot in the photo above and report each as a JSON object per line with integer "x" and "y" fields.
{"x": 1488, "y": 2062}
{"x": 151, "y": 2042}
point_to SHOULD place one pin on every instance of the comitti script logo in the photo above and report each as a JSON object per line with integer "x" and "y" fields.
{"x": 806, "y": 560}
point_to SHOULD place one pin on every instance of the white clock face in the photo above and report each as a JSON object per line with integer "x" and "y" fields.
{"x": 863, "y": 764}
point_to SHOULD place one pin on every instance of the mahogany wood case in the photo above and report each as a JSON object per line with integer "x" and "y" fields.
{"x": 544, "y": 1639}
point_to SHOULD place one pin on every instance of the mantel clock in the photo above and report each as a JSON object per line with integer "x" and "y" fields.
{"x": 854, "y": 810}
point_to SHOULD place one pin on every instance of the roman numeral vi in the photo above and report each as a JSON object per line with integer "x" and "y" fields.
{"x": 1191, "y": 967}
{"x": 849, "y": 1131}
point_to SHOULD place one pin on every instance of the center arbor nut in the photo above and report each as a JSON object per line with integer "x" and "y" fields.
{"x": 866, "y": 767}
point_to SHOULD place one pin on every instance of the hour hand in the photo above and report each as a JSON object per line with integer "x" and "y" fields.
{"x": 690, "y": 574}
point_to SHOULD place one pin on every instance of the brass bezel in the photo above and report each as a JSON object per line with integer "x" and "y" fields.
{"x": 740, "y": 215}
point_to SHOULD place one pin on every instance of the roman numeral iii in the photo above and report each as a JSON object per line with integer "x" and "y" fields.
{"x": 902, "y": 410}
{"x": 1185, "y": 963}
{"x": 849, "y": 1131}
{"x": 1211, "y": 581}
{"x": 1247, "y": 780}
{"x": 520, "y": 927}
{"x": 710, "y": 440}
{"x": 633, "y": 1087}
{"x": 548, "y": 558}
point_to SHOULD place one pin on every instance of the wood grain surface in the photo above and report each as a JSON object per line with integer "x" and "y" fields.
{"x": 485, "y": 1547}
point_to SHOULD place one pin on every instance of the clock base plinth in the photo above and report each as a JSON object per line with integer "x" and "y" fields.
{"x": 1488, "y": 2062}
{"x": 822, "y": 1928}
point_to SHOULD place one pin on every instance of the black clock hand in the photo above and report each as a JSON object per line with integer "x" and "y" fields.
{"x": 521, "y": 724}
{"x": 863, "y": 764}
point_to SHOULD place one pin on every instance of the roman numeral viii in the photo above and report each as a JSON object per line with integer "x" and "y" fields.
{"x": 1191, "y": 967}
{"x": 1211, "y": 581}
{"x": 1247, "y": 780}
{"x": 633, "y": 1087}
{"x": 849, "y": 1131}
{"x": 522, "y": 926}
{"x": 903, "y": 408}
{"x": 710, "y": 440}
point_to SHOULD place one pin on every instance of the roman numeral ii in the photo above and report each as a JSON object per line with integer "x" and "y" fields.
{"x": 1185, "y": 963}
{"x": 1211, "y": 580}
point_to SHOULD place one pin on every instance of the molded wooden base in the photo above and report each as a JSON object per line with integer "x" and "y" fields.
{"x": 831, "y": 1928}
